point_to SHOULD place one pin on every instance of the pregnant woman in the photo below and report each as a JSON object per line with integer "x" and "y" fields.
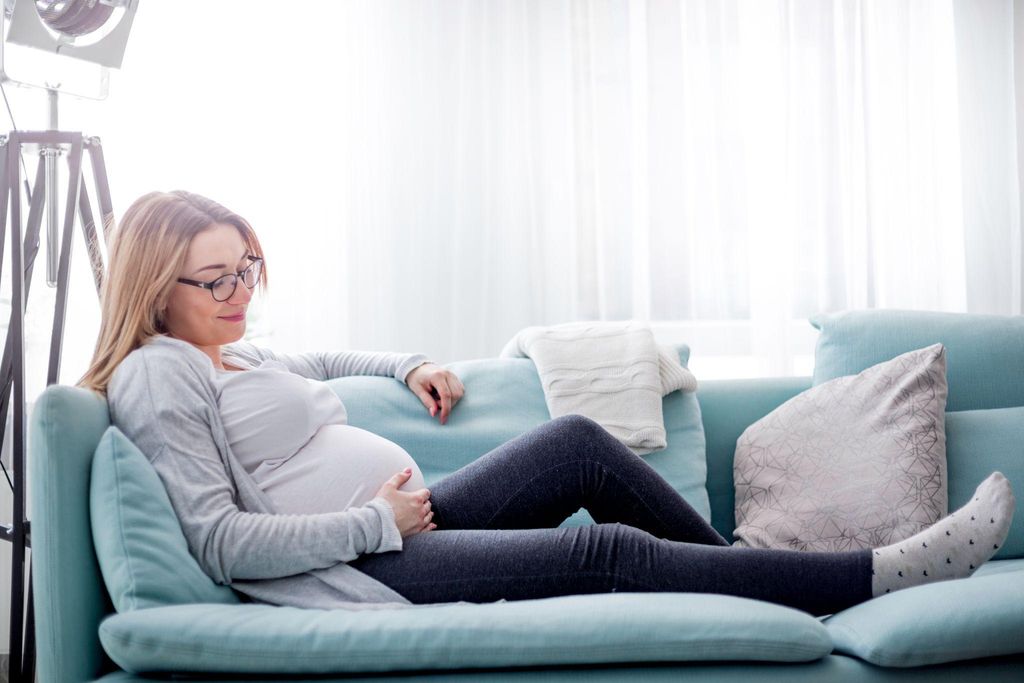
{"x": 274, "y": 490}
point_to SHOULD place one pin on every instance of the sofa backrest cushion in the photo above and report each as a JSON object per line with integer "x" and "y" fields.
{"x": 142, "y": 550}
{"x": 979, "y": 442}
{"x": 504, "y": 399}
{"x": 984, "y": 353}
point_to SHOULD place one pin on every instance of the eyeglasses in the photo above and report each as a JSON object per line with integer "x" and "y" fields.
{"x": 223, "y": 288}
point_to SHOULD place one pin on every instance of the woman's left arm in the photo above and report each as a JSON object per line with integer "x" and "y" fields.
{"x": 437, "y": 388}
{"x": 325, "y": 365}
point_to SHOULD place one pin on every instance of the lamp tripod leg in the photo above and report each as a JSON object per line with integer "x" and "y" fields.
{"x": 22, "y": 657}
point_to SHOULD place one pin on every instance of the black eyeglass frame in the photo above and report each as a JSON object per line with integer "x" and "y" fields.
{"x": 239, "y": 277}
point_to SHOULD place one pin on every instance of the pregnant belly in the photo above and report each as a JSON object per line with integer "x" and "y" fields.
{"x": 340, "y": 467}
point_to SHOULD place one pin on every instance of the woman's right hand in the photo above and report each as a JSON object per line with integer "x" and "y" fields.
{"x": 412, "y": 508}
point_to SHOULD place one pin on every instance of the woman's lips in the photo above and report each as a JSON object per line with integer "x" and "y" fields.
{"x": 234, "y": 318}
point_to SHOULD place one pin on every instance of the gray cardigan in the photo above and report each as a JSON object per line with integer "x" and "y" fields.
{"x": 162, "y": 396}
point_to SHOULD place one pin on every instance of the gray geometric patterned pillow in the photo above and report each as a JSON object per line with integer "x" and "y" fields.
{"x": 856, "y": 462}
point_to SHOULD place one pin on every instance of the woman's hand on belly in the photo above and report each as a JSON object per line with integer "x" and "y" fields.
{"x": 411, "y": 508}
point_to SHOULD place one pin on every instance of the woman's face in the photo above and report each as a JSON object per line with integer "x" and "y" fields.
{"x": 192, "y": 314}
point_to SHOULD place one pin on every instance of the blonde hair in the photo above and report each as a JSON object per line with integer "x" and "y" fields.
{"x": 147, "y": 252}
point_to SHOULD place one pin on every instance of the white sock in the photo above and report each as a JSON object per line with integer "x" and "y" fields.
{"x": 952, "y": 548}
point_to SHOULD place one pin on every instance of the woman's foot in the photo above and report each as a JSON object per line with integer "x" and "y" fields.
{"x": 952, "y": 548}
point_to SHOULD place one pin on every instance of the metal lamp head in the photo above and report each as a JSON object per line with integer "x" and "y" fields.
{"x": 93, "y": 33}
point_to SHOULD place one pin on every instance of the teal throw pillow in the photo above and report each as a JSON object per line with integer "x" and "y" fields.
{"x": 142, "y": 552}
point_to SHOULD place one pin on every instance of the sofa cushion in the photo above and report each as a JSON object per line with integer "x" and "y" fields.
{"x": 142, "y": 551}
{"x": 856, "y": 462}
{"x": 984, "y": 353}
{"x": 980, "y": 616}
{"x": 979, "y": 442}
{"x": 504, "y": 399}
{"x": 600, "y": 628}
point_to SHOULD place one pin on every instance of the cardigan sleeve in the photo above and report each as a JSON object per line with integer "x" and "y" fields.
{"x": 158, "y": 400}
{"x": 325, "y": 365}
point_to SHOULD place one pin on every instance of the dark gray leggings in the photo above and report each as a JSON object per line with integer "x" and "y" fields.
{"x": 496, "y": 535}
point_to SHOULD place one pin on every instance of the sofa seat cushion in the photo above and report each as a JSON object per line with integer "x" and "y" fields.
{"x": 504, "y": 398}
{"x": 573, "y": 629}
{"x": 980, "y": 616}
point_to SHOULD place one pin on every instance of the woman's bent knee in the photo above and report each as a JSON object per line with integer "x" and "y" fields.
{"x": 574, "y": 419}
{"x": 580, "y": 423}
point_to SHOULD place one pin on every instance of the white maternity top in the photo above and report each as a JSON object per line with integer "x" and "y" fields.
{"x": 291, "y": 434}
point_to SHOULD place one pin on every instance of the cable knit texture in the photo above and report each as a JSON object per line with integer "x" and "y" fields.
{"x": 610, "y": 371}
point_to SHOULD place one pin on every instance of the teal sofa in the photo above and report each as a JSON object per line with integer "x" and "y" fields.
{"x": 971, "y": 629}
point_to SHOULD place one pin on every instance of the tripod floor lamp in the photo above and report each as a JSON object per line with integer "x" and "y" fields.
{"x": 47, "y": 44}
{"x": 24, "y": 244}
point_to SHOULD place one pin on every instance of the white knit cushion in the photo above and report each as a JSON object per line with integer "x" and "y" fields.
{"x": 856, "y": 462}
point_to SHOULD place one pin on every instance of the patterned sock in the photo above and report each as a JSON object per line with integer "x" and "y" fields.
{"x": 952, "y": 548}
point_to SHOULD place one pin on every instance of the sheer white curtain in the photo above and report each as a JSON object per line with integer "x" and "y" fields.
{"x": 433, "y": 176}
{"x": 723, "y": 169}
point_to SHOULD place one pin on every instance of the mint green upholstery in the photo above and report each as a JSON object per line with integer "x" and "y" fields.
{"x": 142, "y": 551}
{"x": 979, "y": 442}
{"x": 984, "y": 353}
{"x": 826, "y": 670}
{"x": 71, "y": 600}
{"x": 571, "y": 629}
{"x": 68, "y": 591}
{"x": 938, "y": 622}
